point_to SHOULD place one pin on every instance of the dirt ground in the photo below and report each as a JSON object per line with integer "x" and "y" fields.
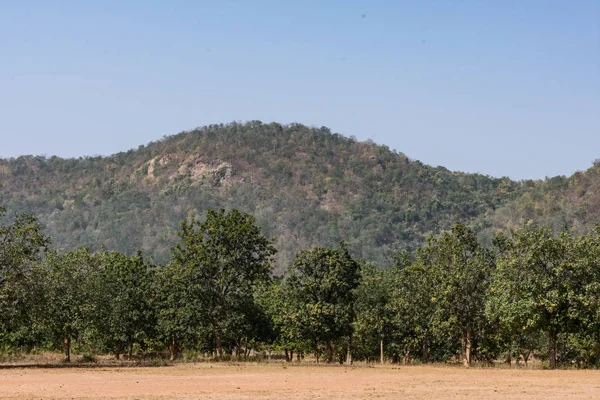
{"x": 279, "y": 381}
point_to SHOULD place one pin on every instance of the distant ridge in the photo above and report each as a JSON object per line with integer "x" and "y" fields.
{"x": 304, "y": 185}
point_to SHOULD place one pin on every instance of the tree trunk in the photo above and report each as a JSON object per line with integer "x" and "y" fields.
{"x": 526, "y": 357}
{"x": 291, "y": 355}
{"x": 467, "y": 347}
{"x": 349, "y": 353}
{"x": 172, "y": 351}
{"x": 552, "y": 349}
{"x": 287, "y": 356}
{"x": 218, "y": 339}
{"x": 67, "y": 347}
{"x": 329, "y": 352}
{"x": 381, "y": 353}
{"x": 130, "y": 350}
{"x": 425, "y": 349}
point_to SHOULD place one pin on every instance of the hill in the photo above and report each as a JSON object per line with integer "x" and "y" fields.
{"x": 561, "y": 203}
{"x": 304, "y": 185}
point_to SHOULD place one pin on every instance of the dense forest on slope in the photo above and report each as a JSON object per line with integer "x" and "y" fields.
{"x": 305, "y": 186}
{"x": 561, "y": 203}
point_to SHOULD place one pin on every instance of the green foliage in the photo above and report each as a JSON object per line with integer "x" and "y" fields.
{"x": 22, "y": 245}
{"x": 464, "y": 270}
{"x": 374, "y": 315}
{"x": 179, "y": 311}
{"x": 68, "y": 308}
{"x": 422, "y": 287}
{"x": 283, "y": 310}
{"x": 540, "y": 284}
{"x": 122, "y": 293}
{"x": 323, "y": 281}
{"x": 306, "y": 187}
{"x": 414, "y": 306}
{"x": 442, "y": 294}
{"x": 221, "y": 260}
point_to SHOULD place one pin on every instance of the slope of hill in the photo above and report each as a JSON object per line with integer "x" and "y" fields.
{"x": 561, "y": 203}
{"x": 305, "y": 186}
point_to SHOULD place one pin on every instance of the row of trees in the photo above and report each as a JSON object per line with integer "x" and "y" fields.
{"x": 532, "y": 293}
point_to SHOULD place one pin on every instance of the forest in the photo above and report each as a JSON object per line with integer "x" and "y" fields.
{"x": 305, "y": 186}
{"x": 530, "y": 294}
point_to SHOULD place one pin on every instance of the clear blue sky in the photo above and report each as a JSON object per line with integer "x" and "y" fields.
{"x": 501, "y": 87}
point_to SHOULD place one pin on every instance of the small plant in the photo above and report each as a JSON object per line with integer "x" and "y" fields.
{"x": 88, "y": 359}
{"x": 191, "y": 355}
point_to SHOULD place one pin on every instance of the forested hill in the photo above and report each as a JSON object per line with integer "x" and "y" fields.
{"x": 305, "y": 186}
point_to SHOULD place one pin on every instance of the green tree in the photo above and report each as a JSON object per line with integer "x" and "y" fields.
{"x": 282, "y": 308}
{"x": 122, "y": 295}
{"x": 223, "y": 258}
{"x": 323, "y": 281}
{"x": 22, "y": 246}
{"x": 414, "y": 302}
{"x": 68, "y": 308}
{"x": 248, "y": 327}
{"x": 583, "y": 288}
{"x": 535, "y": 285}
{"x": 373, "y": 306}
{"x": 465, "y": 269}
{"x": 178, "y": 305}
{"x": 457, "y": 269}
{"x": 21, "y": 243}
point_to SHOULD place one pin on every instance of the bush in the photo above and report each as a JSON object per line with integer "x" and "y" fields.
{"x": 88, "y": 359}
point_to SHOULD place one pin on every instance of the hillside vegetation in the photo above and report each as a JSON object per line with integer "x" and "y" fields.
{"x": 305, "y": 186}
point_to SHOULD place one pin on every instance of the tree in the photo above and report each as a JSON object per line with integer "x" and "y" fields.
{"x": 281, "y": 306}
{"x": 461, "y": 269}
{"x": 68, "y": 307}
{"x": 535, "y": 285}
{"x": 122, "y": 295}
{"x": 223, "y": 258}
{"x": 22, "y": 246}
{"x": 323, "y": 281}
{"x": 583, "y": 291}
{"x": 248, "y": 327}
{"x": 465, "y": 281}
{"x": 414, "y": 302}
{"x": 21, "y": 243}
{"x": 178, "y": 305}
{"x": 373, "y": 306}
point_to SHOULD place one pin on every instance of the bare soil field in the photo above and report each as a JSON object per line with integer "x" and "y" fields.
{"x": 279, "y": 381}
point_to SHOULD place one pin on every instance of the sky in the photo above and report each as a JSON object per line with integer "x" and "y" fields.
{"x": 499, "y": 87}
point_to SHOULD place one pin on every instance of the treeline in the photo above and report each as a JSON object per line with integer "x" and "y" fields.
{"x": 531, "y": 294}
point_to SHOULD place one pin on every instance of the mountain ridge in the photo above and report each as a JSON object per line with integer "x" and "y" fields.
{"x": 305, "y": 185}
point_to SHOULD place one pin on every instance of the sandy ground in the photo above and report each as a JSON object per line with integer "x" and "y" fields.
{"x": 278, "y": 381}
